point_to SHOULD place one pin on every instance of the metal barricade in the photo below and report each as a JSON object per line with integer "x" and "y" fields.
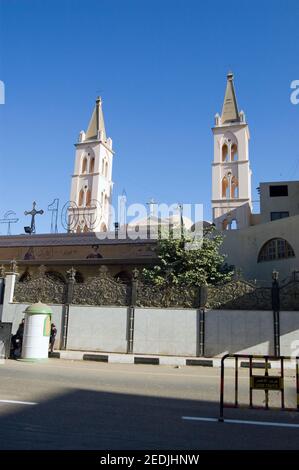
{"x": 264, "y": 382}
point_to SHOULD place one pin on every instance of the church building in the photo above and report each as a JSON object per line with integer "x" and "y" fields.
{"x": 256, "y": 244}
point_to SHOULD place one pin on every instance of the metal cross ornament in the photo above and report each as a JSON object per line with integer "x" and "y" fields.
{"x": 33, "y": 214}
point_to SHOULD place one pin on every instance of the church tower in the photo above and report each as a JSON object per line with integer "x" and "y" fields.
{"x": 231, "y": 174}
{"x": 91, "y": 189}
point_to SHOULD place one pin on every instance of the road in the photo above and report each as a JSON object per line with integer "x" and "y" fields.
{"x": 85, "y": 405}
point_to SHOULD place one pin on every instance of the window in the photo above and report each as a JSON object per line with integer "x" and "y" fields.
{"x": 81, "y": 198}
{"x": 234, "y": 188}
{"x": 233, "y": 225}
{"x": 88, "y": 198}
{"x": 229, "y": 224}
{"x": 225, "y": 188}
{"x": 224, "y": 153}
{"x": 84, "y": 165}
{"x": 225, "y": 225}
{"x": 274, "y": 249}
{"x": 234, "y": 153}
{"x": 279, "y": 190}
{"x": 279, "y": 215}
{"x": 91, "y": 167}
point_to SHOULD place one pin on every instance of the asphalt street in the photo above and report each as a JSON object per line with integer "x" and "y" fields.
{"x": 84, "y": 405}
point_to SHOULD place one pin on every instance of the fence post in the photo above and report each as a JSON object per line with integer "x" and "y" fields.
{"x": 276, "y": 310}
{"x": 9, "y": 289}
{"x": 202, "y": 300}
{"x": 71, "y": 273}
{"x": 131, "y": 312}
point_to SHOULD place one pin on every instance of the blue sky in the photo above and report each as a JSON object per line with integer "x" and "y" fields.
{"x": 160, "y": 66}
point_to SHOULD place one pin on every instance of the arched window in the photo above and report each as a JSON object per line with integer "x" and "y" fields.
{"x": 84, "y": 165}
{"x": 233, "y": 225}
{"x": 85, "y": 228}
{"x": 225, "y": 188}
{"x": 225, "y": 224}
{"x": 234, "y": 153}
{"x": 78, "y": 229}
{"x": 91, "y": 166}
{"x": 103, "y": 227}
{"x": 277, "y": 248}
{"x": 229, "y": 224}
{"x": 81, "y": 197}
{"x": 103, "y": 166}
{"x": 88, "y": 198}
{"x": 224, "y": 153}
{"x": 106, "y": 169}
{"x": 234, "y": 188}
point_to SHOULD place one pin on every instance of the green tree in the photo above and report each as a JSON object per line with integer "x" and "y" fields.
{"x": 181, "y": 263}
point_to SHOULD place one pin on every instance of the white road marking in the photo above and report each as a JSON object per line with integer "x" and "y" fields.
{"x": 16, "y": 402}
{"x": 240, "y": 421}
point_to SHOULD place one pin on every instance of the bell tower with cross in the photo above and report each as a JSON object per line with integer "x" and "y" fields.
{"x": 91, "y": 188}
{"x": 231, "y": 173}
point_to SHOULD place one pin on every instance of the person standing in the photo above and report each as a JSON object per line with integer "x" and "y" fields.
{"x": 53, "y": 334}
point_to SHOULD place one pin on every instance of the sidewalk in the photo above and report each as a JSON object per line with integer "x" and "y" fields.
{"x": 159, "y": 360}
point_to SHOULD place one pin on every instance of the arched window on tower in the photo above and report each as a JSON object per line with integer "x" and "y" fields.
{"x": 81, "y": 198}
{"x": 224, "y": 153}
{"x": 85, "y": 228}
{"x": 103, "y": 166}
{"x": 277, "y": 248}
{"x": 88, "y": 198}
{"x": 225, "y": 188}
{"x": 234, "y": 188}
{"x": 84, "y": 165}
{"x": 78, "y": 229}
{"x": 234, "y": 153}
{"x": 91, "y": 166}
{"x": 106, "y": 169}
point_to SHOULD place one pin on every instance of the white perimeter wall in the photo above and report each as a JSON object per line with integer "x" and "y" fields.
{"x": 166, "y": 331}
{"x": 98, "y": 329}
{"x": 239, "y": 331}
{"x": 169, "y": 331}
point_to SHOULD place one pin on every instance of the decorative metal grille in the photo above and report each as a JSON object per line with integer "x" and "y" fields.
{"x": 40, "y": 287}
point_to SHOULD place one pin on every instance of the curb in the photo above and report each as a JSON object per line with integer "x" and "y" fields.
{"x": 114, "y": 358}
